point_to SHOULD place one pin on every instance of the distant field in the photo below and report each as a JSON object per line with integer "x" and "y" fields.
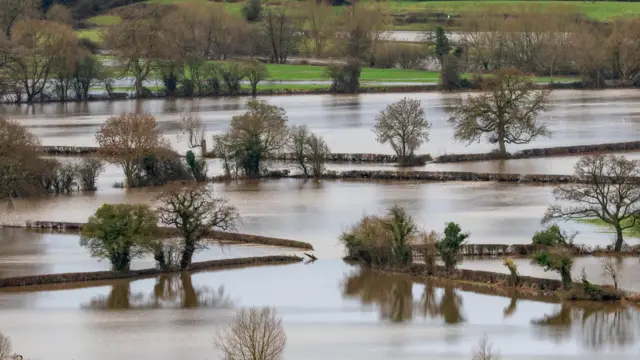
{"x": 104, "y": 20}
{"x": 91, "y": 34}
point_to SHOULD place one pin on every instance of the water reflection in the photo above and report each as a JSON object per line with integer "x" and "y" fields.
{"x": 393, "y": 295}
{"x": 169, "y": 291}
{"x": 595, "y": 326}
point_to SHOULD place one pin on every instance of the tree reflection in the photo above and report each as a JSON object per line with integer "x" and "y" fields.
{"x": 594, "y": 325}
{"x": 393, "y": 294}
{"x": 170, "y": 290}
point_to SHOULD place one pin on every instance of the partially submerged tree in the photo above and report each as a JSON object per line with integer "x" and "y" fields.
{"x": 506, "y": 112}
{"x": 254, "y": 334}
{"x": 88, "y": 172}
{"x": 257, "y": 134}
{"x": 308, "y": 149}
{"x": 484, "y": 350}
{"x": 89, "y": 72}
{"x": 5, "y": 347}
{"x": 195, "y": 212}
{"x": 127, "y": 139}
{"x": 449, "y": 246}
{"x": 404, "y": 126}
{"x": 556, "y": 259}
{"x": 191, "y": 126}
{"x": 611, "y": 268}
{"x": 119, "y": 233}
{"x": 610, "y": 193}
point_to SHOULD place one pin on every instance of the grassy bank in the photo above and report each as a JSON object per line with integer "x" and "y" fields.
{"x": 631, "y": 232}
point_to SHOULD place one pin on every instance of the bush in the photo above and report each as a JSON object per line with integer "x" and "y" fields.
{"x": 161, "y": 168}
{"x": 167, "y": 256}
{"x": 430, "y": 250}
{"x": 386, "y": 56}
{"x": 586, "y": 291}
{"x": 410, "y": 56}
{"x": 382, "y": 241}
{"x": 88, "y": 172}
{"x": 553, "y": 236}
{"x": 252, "y": 10}
{"x": 345, "y": 78}
{"x": 556, "y": 259}
{"x": 119, "y": 233}
{"x": 65, "y": 179}
{"x": 450, "y": 73}
{"x": 513, "y": 270}
{"x": 232, "y": 74}
{"x": 198, "y": 166}
{"x": 449, "y": 246}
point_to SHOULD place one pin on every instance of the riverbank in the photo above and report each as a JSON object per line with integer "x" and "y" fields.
{"x": 79, "y": 277}
{"x": 168, "y": 232}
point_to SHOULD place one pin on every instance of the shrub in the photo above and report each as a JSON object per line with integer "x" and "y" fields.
{"x": 382, "y": 241}
{"x": 553, "y": 236}
{"x": 556, "y": 259}
{"x": 198, "y": 166}
{"x": 449, "y": 246}
{"x": 88, "y": 172}
{"x": 5, "y": 347}
{"x": 252, "y": 10}
{"x": 161, "y": 168}
{"x": 429, "y": 250}
{"x": 232, "y": 74}
{"x": 450, "y": 73}
{"x": 386, "y": 56}
{"x": 513, "y": 270}
{"x": 65, "y": 179}
{"x": 586, "y": 291}
{"x": 345, "y": 78}
{"x": 119, "y": 233}
{"x": 167, "y": 255}
{"x": 410, "y": 56}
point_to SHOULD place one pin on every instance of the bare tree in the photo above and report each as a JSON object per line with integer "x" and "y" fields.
{"x": 59, "y": 13}
{"x": 403, "y": 125}
{"x": 506, "y": 112}
{"x": 195, "y": 212}
{"x": 256, "y": 134}
{"x": 309, "y": 150}
{"x": 138, "y": 42}
{"x": 11, "y": 11}
{"x": 191, "y": 126}
{"x": 484, "y": 350}
{"x": 37, "y": 46}
{"x": 5, "y": 347}
{"x": 611, "y": 194}
{"x": 126, "y": 139}
{"x": 625, "y": 49}
{"x": 361, "y": 30}
{"x": 320, "y": 22}
{"x": 254, "y": 334}
{"x": 611, "y": 269}
{"x": 282, "y": 33}
{"x": 588, "y": 45}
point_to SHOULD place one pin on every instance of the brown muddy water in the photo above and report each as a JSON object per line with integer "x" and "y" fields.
{"x": 578, "y": 117}
{"x": 330, "y": 310}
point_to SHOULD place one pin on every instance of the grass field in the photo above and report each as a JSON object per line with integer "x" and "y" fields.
{"x": 104, "y": 20}
{"x": 633, "y": 232}
{"x": 91, "y": 34}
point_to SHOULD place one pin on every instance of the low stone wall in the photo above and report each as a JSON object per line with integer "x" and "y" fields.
{"x": 486, "y": 277}
{"x": 68, "y": 150}
{"x": 168, "y": 231}
{"x": 544, "y": 152}
{"x": 64, "y": 278}
{"x": 446, "y": 176}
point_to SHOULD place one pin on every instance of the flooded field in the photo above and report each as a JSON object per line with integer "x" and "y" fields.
{"x": 578, "y": 117}
{"x": 494, "y": 213}
{"x": 330, "y": 311}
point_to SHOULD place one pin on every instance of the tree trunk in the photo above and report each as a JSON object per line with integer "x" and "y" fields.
{"x": 187, "y": 254}
{"x": 503, "y": 149}
{"x": 254, "y": 89}
{"x": 619, "y": 239}
{"x": 138, "y": 87}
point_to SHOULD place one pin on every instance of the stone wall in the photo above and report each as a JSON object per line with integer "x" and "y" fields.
{"x": 68, "y": 150}
{"x": 50, "y": 279}
{"x": 446, "y": 176}
{"x": 168, "y": 231}
{"x": 544, "y": 152}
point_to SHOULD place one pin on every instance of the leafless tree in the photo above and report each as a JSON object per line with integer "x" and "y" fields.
{"x": 194, "y": 212}
{"x": 191, "y": 126}
{"x": 361, "y": 29}
{"x": 126, "y": 139}
{"x": 37, "y": 47}
{"x": 320, "y": 22}
{"x": 138, "y": 42}
{"x": 59, "y": 13}
{"x": 11, "y": 11}
{"x": 404, "y": 125}
{"x": 309, "y": 150}
{"x": 484, "y": 350}
{"x": 611, "y": 193}
{"x": 5, "y": 347}
{"x": 506, "y": 112}
{"x": 282, "y": 33}
{"x": 625, "y": 49}
{"x": 254, "y": 334}
{"x": 611, "y": 269}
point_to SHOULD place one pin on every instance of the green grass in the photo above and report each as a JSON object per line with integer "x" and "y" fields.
{"x": 105, "y": 20}
{"x": 91, "y": 34}
{"x": 633, "y": 232}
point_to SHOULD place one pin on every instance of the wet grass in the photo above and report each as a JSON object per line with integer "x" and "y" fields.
{"x": 632, "y": 232}
{"x": 91, "y": 34}
{"x": 104, "y": 20}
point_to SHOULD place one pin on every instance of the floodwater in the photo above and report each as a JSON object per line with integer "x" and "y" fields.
{"x": 317, "y": 212}
{"x": 329, "y": 310}
{"x": 578, "y": 117}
